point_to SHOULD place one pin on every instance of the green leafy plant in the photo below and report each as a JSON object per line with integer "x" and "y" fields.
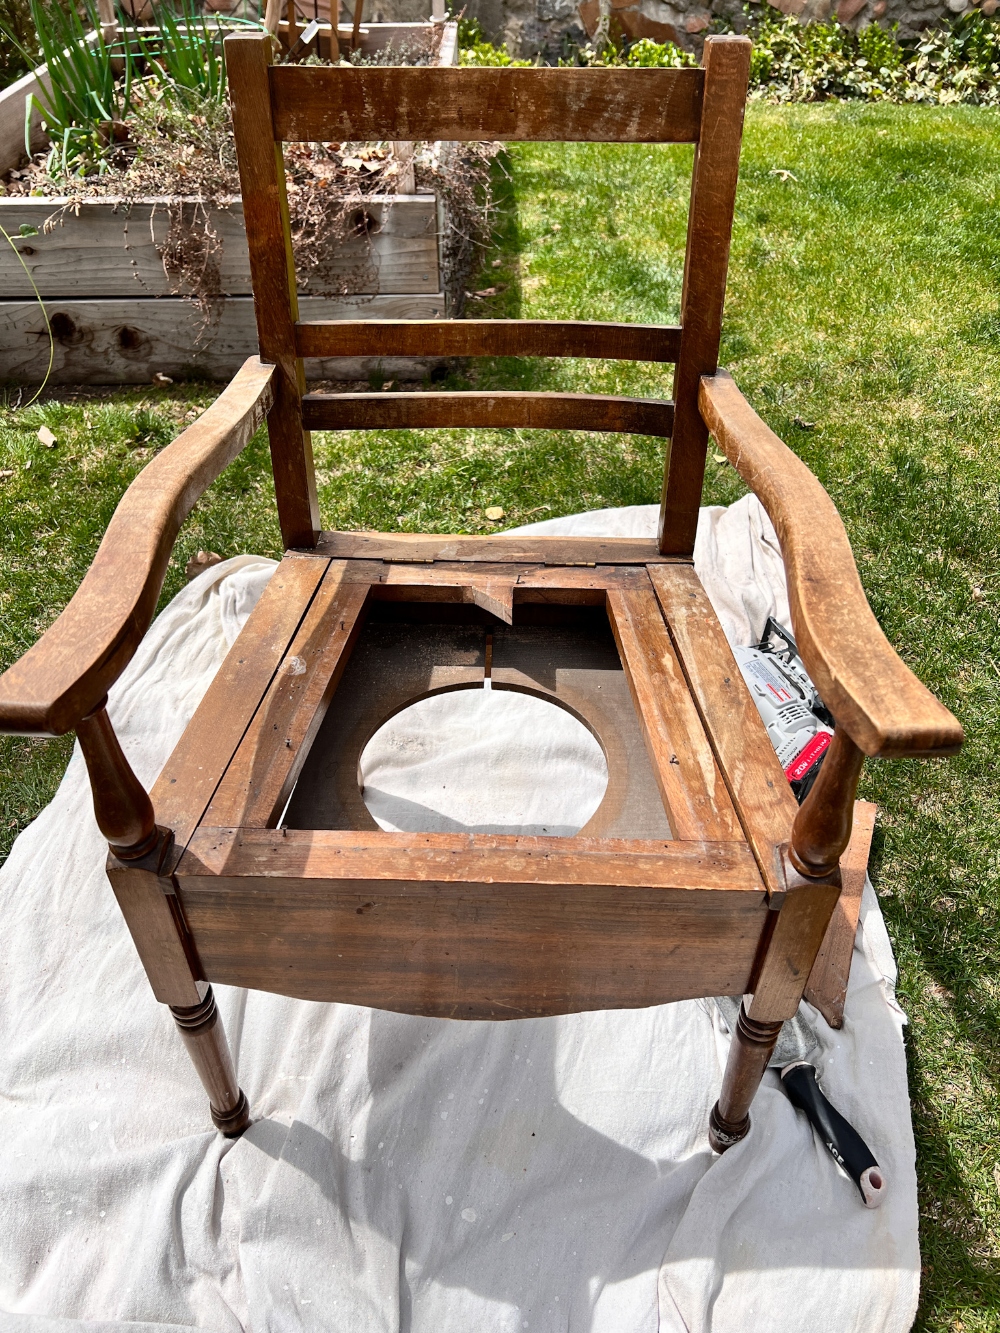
{"x": 185, "y": 54}
{"x": 795, "y": 62}
{"x": 90, "y": 86}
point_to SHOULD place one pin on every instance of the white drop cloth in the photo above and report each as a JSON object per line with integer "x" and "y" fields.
{"x": 406, "y": 1173}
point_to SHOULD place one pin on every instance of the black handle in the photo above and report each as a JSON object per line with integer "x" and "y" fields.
{"x": 843, "y": 1141}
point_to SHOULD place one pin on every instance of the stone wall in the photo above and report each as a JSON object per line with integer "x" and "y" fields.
{"x": 551, "y": 27}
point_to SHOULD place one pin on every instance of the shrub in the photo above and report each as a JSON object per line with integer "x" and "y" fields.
{"x": 18, "y": 48}
{"x": 794, "y": 62}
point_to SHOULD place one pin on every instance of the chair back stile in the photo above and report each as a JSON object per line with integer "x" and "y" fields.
{"x": 272, "y": 269}
{"x": 276, "y": 104}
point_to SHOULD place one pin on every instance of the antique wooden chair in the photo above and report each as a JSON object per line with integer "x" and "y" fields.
{"x": 698, "y": 875}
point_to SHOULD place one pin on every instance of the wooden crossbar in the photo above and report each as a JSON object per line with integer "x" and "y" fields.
{"x": 310, "y": 103}
{"x": 540, "y": 411}
{"x": 486, "y": 337}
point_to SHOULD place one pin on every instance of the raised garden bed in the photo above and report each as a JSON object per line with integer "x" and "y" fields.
{"x": 117, "y": 316}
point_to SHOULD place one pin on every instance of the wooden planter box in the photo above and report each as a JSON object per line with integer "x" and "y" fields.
{"x": 110, "y": 306}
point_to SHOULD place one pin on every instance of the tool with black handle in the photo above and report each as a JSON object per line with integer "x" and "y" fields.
{"x": 800, "y": 1081}
{"x": 843, "y": 1142}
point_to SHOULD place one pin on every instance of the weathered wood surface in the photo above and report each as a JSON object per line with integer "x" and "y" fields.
{"x": 190, "y": 776}
{"x": 128, "y": 341}
{"x": 507, "y": 408}
{"x": 870, "y": 691}
{"x": 259, "y": 781}
{"x": 756, "y": 780}
{"x": 522, "y": 549}
{"x": 698, "y": 804}
{"x": 106, "y": 248}
{"x": 783, "y": 968}
{"x": 272, "y": 266}
{"x": 472, "y": 926}
{"x": 488, "y": 337}
{"x": 596, "y": 105}
{"x": 827, "y": 985}
{"x": 67, "y": 672}
{"x": 706, "y": 264}
{"x": 158, "y": 931}
{"x": 13, "y": 108}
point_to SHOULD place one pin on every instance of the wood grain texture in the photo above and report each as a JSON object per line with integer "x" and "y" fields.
{"x": 191, "y": 775}
{"x": 201, "y": 1030}
{"x": 471, "y": 926}
{"x": 488, "y": 337}
{"x": 265, "y": 208}
{"x": 158, "y": 928}
{"x": 756, "y": 781}
{"x": 803, "y": 915}
{"x": 508, "y": 408}
{"x": 827, "y": 985}
{"x": 423, "y": 103}
{"x": 883, "y": 706}
{"x": 706, "y": 263}
{"x": 749, "y": 1051}
{"x": 698, "y": 804}
{"x": 259, "y": 780}
{"x": 526, "y": 549}
{"x": 127, "y": 340}
{"x": 122, "y": 807}
{"x": 822, "y": 827}
{"x": 76, "y": 661}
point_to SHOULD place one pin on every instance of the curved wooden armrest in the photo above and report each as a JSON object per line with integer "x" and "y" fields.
{"x": 876, "y": 698}
{"x": 75, "y": 662}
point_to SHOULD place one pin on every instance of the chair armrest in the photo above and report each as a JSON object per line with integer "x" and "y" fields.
{"x": 75, "y": 662}
{"x": 876, "y": 698}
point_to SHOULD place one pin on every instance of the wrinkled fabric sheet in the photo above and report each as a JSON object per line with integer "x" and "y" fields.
{"x": 410, "y": 1173}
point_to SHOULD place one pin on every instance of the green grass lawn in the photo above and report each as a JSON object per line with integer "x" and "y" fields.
{"x": 863, "y": 322}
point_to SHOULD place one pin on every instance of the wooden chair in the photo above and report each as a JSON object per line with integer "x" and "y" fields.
{"x": 698, "y": 875}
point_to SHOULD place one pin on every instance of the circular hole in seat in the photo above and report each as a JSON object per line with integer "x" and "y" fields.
{"x": 483, "y": 761}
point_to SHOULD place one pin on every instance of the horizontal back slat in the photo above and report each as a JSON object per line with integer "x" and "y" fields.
{"x": 539, "y": 411}
{"x": 313, "y": 103}
{"x": 487, "y": 337}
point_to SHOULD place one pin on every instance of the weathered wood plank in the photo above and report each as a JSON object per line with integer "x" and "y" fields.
{"x": 488, "y": 337}
{"x": 128, "y": 341}
{"x": 472, "y": 926}
{"x": 534, "y": 411}
{"x": 107, "y": 248}
{"x": 520, "y": 549}
{"x": 263, "y": 771}
{"x": 827, "y": 984}
{"x": 191, "y": 775}
{"x": 595, "y": 105}
{"x": 694, "y": 793}
{"x": 756, "y": 780}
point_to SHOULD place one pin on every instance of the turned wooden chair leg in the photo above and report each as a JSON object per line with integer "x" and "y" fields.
{"x": 125, "y": 816}
{"x": 820, "y": 833}
{"x": 752, "y": 1047}
{"x": 205, "y": 1038}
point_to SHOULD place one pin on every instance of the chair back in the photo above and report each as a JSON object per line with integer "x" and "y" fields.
{"x": 276, "y": 104}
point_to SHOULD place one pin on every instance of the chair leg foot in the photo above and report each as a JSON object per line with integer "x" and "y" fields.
{"x": 721, "y": 1134}
{"x": 235, "y": 1122}
{"x": 751, "y": 1048}
{"x": 205, "y": 1038}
